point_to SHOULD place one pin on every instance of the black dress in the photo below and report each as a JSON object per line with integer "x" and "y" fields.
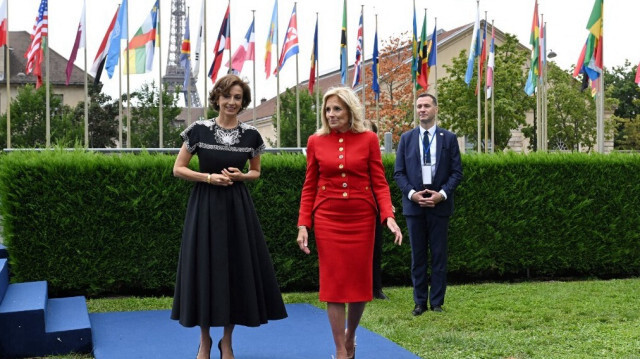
{"x": 225, "y": 274}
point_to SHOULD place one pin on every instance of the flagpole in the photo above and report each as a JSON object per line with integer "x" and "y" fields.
{"x": 188, "y": 89}
{"x": 86, "y": 85}
{"x": 541, "y": 88}
{"x": 160, "y": 90}
{"x": 128, "y": 93}
{"x": 295, "y": 6}
{"x": 486, "y": 108}
{"x": 119, "y": 96}
{"x": 318, "y": 109}
{"x": 377, "y": 97}
{"x": 478, "y": 95}
{"x": 346, "y": 41}
{"x": 435, "y": 26}
{"x": 229, "y": 39}
{"x": 7, "y": 57}
{"x": 206, "y": 94}
{"x": 255, "y": 95}
{"x": 493, "y": 96}
{"x": 278, "y": 142}
{"x": 362, "y": 69}
{"x": 48, "y": 101}
{"x": 415, "y": 109}
{"x": 544, "y": 90}
{"x": 600, "y": 98}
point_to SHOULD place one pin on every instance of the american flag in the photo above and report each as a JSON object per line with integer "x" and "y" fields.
{"x": 34, "y": 52}
{"x": 357, "y": 64}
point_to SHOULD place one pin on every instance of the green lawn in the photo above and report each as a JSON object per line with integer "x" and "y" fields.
{"x": 578, "y": 319}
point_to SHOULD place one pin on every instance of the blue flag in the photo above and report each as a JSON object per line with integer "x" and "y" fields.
{"x": 119, "y": 32}
{"x": 375, "y": 59}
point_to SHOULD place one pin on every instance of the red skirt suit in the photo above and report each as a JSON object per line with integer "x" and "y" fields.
{"x": 344, "y": 172}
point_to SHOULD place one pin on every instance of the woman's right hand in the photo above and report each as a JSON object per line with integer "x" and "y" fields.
{"x": 220, "y": 180}
{"x": 303, "y": 239}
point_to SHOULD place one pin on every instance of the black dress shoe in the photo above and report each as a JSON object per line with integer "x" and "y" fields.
{"x": 436, "y": 308}
{"x": 419, "y": 309}
{"x": 380, "y": 295}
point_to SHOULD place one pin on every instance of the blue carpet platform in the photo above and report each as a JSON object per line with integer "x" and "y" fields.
{"x": 305, "y": 334}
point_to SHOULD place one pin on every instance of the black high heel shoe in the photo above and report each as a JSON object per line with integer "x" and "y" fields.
{"x": 210, "y": 344}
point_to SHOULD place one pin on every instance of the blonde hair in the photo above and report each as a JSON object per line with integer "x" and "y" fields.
{"x": 348, "y": 97}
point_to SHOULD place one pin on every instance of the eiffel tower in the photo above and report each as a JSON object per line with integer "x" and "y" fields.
{"x": 174, "y": 75}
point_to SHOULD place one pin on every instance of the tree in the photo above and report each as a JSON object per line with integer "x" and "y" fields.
{"x": 144, "y": 118}
{"x": 458, "y": 102}
{"x": 103, "y": 114}
{"x": 396, "y": 93}
{"x": 620, "y": 85}
{"x": 571, "y": 114}
{"x": 288, "y": 121}
{"x": 28, "y": 120}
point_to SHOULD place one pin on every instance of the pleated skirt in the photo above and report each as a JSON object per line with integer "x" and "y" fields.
{"x": 225, "y": 274}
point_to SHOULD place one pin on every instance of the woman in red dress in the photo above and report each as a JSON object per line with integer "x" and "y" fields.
{"x": 344, "y": 172}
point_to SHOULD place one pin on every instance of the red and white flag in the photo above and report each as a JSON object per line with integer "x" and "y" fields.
{"x": 3, "y": 23}
{"x": 638, "y": 75}
{"x": 78, "y": 44}
{"x": 34, "y": 54}
{"x": 101, "y": 56}
{"x": 245, "y": 52}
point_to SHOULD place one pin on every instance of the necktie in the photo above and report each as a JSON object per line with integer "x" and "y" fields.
{"x": 426, "y": 145}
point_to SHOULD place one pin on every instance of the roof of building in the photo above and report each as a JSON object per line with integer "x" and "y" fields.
{"x": 19, "y": 42}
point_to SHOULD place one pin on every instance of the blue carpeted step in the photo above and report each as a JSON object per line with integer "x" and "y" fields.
{"x": 3, "y": 251}
{"x": 67, "y": 326}
{"x": 4, "y": 277}
{"x": 22, "y": 319}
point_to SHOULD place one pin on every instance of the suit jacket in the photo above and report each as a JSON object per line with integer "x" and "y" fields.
{"x": 408, "y": 170}
{"x": 342, "y": 166}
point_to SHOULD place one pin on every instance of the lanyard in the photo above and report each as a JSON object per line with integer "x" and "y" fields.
{"x": 428, "y": 148}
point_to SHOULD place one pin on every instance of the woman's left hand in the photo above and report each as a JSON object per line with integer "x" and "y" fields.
{"x": 233, "y": 173}
{"x": 393, "y": 227}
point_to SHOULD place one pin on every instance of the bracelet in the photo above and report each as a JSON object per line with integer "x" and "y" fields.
{"x": 302, "y": 227}
{"x": 209, "y": 178}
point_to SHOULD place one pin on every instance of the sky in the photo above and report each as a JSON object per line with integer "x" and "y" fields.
{"x": 566, "y": 29}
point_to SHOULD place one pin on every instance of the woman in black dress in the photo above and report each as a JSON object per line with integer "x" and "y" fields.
{"x": 225, "y": 274}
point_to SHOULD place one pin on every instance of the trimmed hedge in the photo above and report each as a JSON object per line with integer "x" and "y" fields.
{"x": 98, "y": 224}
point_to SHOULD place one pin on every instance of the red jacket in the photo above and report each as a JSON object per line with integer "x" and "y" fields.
{"x": 341, "y": 166}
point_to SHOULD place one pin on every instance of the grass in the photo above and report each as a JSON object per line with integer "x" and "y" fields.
{"x": 577, "y": 319}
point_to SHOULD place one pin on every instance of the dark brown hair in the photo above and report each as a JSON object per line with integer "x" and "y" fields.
{"x": 223, "y": 87}
{"x": 435, "y": 100}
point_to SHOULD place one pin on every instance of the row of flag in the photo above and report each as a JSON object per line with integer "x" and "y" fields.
{"x": 424, "y": 53}
{"x": 478, "y": 49}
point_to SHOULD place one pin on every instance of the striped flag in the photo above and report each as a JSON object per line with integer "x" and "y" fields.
{"x": 271, "y": 39}
{"x": 142, "y": 45}
{"x": 534, "y": 70}
{"x": 223, "y": 42}
{"x": 433, "y": 53}
{"x": 245, "y": 52}
{"x": 358, "y": 64}
{"x": 593, "y": 55}
{"x": 314, "y": 60}
{"x": 483, "y": 55}
{"x": 423, "y": 48}
{"x": 290, "y": 46}
{"x": 343, "y": 46}
{"x": 79, "y": 43}
{"x": 185, "y": 58}
{"x": 491, "y": 64}
{"x": 416, "y": 50}
{"x": 34, "y": 54}
{"x": 375, "y": 67}
{"x": 101, "y": 56}
{"x": 3, "y": 23}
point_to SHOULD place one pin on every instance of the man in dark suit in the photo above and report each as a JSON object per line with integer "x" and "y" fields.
{"x": 428, "y": 170}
